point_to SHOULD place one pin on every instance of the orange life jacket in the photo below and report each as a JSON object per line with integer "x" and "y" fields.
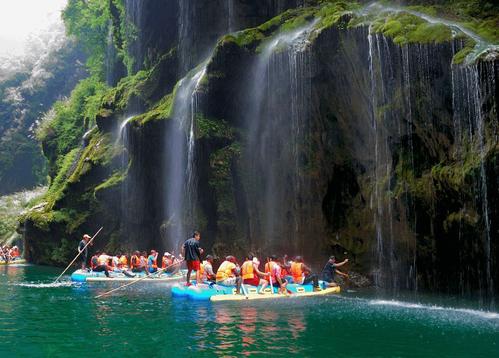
{"x": 297, "y": 272}
{"x": 247, "y": 270}
{"x": 225, "y": 270}
{"x": 134, "y": 262}
{"x": 165, "y": 262}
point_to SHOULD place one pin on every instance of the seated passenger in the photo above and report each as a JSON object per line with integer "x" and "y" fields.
{"x": 206, "y": 270}
{"x": 152, "y": 262}
{"x": 228, "y": 274}
{"x": 102, "y": 264}
{"x": 276, "y": 280}
{"x": 166, "y": 261}
{"x": 302, "y": 274}
{"x": 143, "y": 262}
{"x": 123, "y": 262}
{"x": 135, "y": 263}
{"x": 15, "y": 253}
{"x": 252, "y": 275}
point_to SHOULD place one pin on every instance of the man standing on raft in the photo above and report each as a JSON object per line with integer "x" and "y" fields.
{"x": 84, "y": 255}
{"x": 192, "y": 255}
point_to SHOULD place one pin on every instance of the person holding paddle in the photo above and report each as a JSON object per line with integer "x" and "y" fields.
{"x": 83, "y": 251}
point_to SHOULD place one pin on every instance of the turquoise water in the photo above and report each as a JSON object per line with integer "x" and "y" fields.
{"x": 38, "y": 319}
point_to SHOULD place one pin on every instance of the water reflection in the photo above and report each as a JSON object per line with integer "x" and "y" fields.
{"x": 248, "y": 330}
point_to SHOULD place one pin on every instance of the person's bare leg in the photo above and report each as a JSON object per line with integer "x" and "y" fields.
{"x": 188, "y": 275}
{"x": 198, "y": 276}
{"x": 264, "y": 284}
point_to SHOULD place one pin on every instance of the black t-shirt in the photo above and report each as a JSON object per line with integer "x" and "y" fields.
{"x": 81, "y": 245}
{"x": 328, "y": 272}
{"x": 191, "y": 250}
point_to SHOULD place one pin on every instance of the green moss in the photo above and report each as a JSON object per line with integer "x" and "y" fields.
{"x": 213, "y": 128}
{"x": 406, "y": 28}
{"x": 58, "y": 185}
{"x": 114, "y": 180}
{"x": 63, "y": 132}
{"x": 474, "y": 15}
{"x": 221, "y": 181}
{"x": 464, "y": 53}
{"x": 60, "y": 254}
{"x": 162, "y": 110}
{"x": 99, "y": 151}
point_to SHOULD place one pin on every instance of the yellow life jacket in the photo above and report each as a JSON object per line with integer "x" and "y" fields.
{"x": 201, "y": 269}
{"x": 247, "y": 270}
{"x": 225, "y": 270}
{"x": 102, "y": 260}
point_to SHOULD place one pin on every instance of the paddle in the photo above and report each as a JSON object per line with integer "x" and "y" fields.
{"x": 137, "y": 280}
{"x": 79, "y": 253}
{"x": 270, "y": 277}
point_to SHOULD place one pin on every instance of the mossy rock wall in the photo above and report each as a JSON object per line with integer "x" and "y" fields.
{"x": 382, "y": 174}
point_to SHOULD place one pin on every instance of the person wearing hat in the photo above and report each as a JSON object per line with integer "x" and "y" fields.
{"x": 166, "y": 261}
{"x": 330, "y": 269}
{"x": 84, "y": 251}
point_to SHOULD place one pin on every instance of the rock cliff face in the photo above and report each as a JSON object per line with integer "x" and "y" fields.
{"x": 330, "y": 128}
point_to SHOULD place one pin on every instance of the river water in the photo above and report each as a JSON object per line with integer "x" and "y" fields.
{"x": 38, "y": 319}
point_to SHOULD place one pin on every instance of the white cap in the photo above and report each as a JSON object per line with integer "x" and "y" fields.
{"x": 255, "y": 260}
{"x": 167, "y": 254}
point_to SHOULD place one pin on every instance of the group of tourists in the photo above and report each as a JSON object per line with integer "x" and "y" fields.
{"x": 277, "y": 272}
{"x": 128, "y": 264}
{"x": 8, "y": 253}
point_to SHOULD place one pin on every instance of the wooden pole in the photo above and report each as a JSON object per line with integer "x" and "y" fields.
{"x": 79, "y": 253}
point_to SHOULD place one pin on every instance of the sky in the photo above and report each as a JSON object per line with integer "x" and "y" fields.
{"x": 21, "y": 18}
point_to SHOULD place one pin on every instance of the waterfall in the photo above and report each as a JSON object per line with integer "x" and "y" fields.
{"x": 126, "y": 185}
{"x": 135, "y": 16}
{"x": 470, "y": 131}
{"x": 276, "y": 118}
{"x": 230, "y": 16}
{"x": 181, "y": 196}
{"x": 185, "y": 43}
{"x": 382, "y": 165}
{"x": 110, "y": 56}
{"x": 397, "y": 75}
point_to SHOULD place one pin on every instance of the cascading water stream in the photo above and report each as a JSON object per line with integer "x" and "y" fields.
{"x": 123, "y": 138}
{"x": 470, "y": 131}
{"x": 110, "y": 55}
{"x": 181, "y": 187}
{"x": 230, "y": 16}
{"x": 135, "y": 16}
{"x": 276, "y": 136}
{"x": 481, "y": 45}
